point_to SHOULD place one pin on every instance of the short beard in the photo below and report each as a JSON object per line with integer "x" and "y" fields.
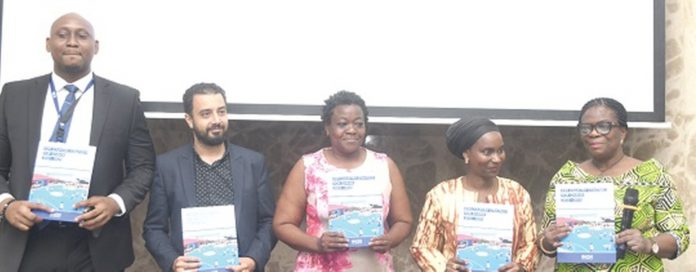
{"x": 74, "y": 69}
{"x": 210, "y": 141}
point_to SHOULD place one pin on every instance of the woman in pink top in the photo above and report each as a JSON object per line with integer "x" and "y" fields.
{"x": 315, "y": 176}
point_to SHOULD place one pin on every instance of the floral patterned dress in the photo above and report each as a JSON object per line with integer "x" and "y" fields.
{"x": 318, "y": 173}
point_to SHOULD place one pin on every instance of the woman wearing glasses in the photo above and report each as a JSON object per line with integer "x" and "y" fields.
{"x": 658, "y": 230}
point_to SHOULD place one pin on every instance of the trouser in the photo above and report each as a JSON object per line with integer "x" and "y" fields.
{"x": 57, "y": 247}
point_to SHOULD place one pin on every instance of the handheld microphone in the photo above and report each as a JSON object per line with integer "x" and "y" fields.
{"x": 629, "y": 206}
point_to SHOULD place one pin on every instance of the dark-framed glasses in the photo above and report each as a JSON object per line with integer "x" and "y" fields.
{"x": 602, "y": 128}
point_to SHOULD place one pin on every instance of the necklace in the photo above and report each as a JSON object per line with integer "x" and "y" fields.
{"x": 601, "y": 172}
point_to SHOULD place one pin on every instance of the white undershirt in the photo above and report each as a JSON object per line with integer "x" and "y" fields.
{"x": 81, "y": 124}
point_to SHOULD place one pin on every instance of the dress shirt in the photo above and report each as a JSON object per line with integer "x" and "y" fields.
{"x": 81, "y": 124}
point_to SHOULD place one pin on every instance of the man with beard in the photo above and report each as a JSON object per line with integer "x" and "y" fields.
{"x": 45, "y": 110}
{"x": 209, "y": 172}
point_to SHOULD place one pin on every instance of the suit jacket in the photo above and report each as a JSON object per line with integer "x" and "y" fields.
{"x": 124, "y": 162}
{"x": 173, "y": 188}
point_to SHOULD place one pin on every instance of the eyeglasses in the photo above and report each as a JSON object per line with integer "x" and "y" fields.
{"x": 602, "y": 128}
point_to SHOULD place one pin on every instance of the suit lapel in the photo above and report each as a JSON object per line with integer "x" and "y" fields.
{"x": 238, "y": 176}
{"x": 102, "y": 99}
{"x": 36, "y": 100}
{"x": 187, "y": 178}
{"x": 37, "y": 97}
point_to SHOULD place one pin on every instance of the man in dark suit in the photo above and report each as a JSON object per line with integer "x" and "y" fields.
{"x": 109, "y": 117}
{"x": 209, "y": 172}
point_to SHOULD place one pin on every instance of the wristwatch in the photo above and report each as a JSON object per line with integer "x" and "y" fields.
{"x": 654, "y": 247}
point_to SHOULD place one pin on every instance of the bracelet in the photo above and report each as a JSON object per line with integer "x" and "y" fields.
{"x": 4, "y": 207}
{"x": 544, "y": 250}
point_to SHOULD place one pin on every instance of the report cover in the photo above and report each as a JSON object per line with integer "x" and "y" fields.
{"x": 61, "y": 179}
{"x": 210, "y": 233}
{"x": 589, "y": 210}
{"x": 484, "y": 235}
{"x": 356, "y": 208}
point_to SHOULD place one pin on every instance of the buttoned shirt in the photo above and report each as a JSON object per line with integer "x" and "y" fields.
{"x": 213, "y": 182}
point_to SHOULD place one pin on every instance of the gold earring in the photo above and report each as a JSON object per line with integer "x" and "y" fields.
{"x": 466, "y": 160}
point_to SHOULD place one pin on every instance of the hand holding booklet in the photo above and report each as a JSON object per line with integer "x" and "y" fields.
{"x": 589, "y": 210}
{"x": 484, "y": 235}
{"x": 210, "y": 234}
{"x": 356, "y": 208}
{"x": 61, "y": 179}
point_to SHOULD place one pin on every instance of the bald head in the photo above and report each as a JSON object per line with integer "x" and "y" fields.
{"x": 72, "y": 46}
{"x": 72, "y": 16}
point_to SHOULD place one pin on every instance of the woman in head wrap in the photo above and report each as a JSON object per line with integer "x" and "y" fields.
{"x": 479, "y": 143}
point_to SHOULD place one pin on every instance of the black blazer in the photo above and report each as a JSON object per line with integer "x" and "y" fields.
{"x": 124, "y": 162}
{"x": 173, "y": 189}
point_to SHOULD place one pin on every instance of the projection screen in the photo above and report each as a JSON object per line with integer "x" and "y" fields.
{"x": 522, "y": 62}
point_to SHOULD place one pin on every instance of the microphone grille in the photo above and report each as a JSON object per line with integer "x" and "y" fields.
{"x": 631, "y": 197}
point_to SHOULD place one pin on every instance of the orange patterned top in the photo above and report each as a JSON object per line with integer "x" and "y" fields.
{"x": 435, "y": 241}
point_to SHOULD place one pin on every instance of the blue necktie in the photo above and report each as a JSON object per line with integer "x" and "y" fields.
{"x": 72, "y": 89}
{"x": 60, "y": 131}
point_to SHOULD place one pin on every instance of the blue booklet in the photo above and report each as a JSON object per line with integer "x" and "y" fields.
{"x": 210, "y": 234}
{"x": 61, "y": 179}
{"x": 589, "y": 210}
{"x": 356, "y": 208}
{"x": 484, "y": 235}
